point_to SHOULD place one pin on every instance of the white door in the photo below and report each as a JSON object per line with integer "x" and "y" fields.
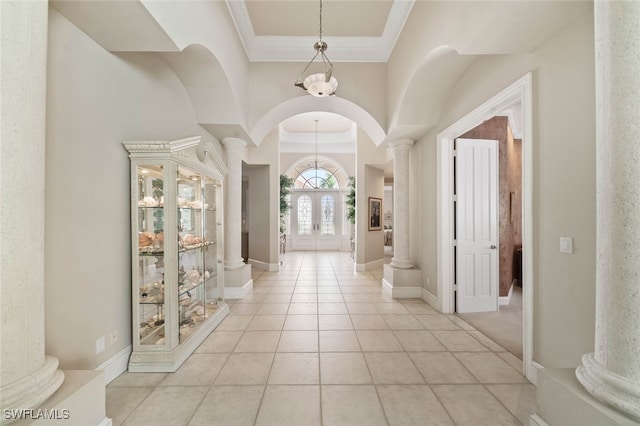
{"x": 314, "y": 220}
{"x": 476, "y": 183}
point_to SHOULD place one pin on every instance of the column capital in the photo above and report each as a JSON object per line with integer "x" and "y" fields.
{"x": 236, "y": 144}
{"x": 401, "y": 142}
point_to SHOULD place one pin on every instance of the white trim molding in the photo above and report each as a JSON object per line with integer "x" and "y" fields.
{"x": 401, "y": 292}
{"x": 505, "y": 300}
{"x": 238, "y": 292}
{"x": 519, "y": 92}
{"x": 363, "y": 267}
{"x": 264, "y": 266}
{"x": 116, "y": 365}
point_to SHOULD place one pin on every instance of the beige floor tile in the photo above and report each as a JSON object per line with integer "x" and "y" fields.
{"x": 391, "y": 308}
{"x": 392, "y": 368}
{"x": 282, "y": 290}
{"x": 412, "y": 405}
{"x": 512, "y": 360}
{"x": 245, "y": 369}
{"x": 258, "y": 341}
{"x": 220, "y": 342}
{"x": 121, "y": 401}
{"x": 298, "y": 341}
{"x": 519, "y": 399}
{"x": 332, "y": 308}
{"x": 229, "y": 405}
{"x": 437, "y": 322}
{"x": 303, "y": 308}
{"x": 460, "y": 322}
{"x": 369, "y": 322}
{"x": 378, "y": 341}
{"x": 361, "y": 308}
{"x": 290, "y": 406}
{"x": 277, "y": 298}
{"x": 487, "y": 367}
{"x": 244, "y": 308}
{"x": 305, "y": 290}
{"x": 419, "y": 308}
{"x": 458, "y": 341}
{"x": 351, "y": 405}
{"x": 138, "y": 379}
{"x": 356, "y": 298}
{"x": 304, "y": 298}
{"x": 301, "y": 322}
{"x": 266, "y": 322}
{"x": 251, "y": 298}
{"x": 329, "y": 289}
{"x": 441, "y": 367}
{"x": 273, "y": 309}
{"x": 488, "y": 343}
{"x": 334, "y": 322}
{"x": 295, "y": 369}
{"x": 473, "y": 405}
{"x": 197, "y": 370}
{"x": 339, "y": 341}
{"x": 330, "y": 297}
{"x": 183, "y": 400}
{"x": 402, "y": 322}
{"x": 235, "y": 323}
{"x": 344, "y": 369}
{"x": 418, "y": 341}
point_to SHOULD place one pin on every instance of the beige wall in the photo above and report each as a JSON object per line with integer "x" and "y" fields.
{"x": 258, "y": 218}
{"x": 96, "y": 100}
{"x": 563, "y": 183}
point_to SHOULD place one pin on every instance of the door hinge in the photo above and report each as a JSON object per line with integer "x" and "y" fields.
{"x": 455, "y": 243}
{"x": 455, "y": 197}
{"x": 455, "y": 152}
{"x": 455, "y": 287}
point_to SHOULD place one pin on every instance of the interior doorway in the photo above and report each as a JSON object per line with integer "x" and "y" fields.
{"x": 314, "y": 220}
{"x": 518, "y": 94}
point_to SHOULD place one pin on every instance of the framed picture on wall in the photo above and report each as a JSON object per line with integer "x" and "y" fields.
{"x": 375, "y": 214}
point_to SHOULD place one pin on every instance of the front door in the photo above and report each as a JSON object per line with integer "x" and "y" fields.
{"x": 314, "y": 220}
{"x": 476, "y": 183}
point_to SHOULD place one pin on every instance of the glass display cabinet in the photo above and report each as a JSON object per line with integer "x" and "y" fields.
{"x": 177, "y": 269}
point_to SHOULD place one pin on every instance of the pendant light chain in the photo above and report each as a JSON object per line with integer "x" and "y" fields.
{"x": 320, "y": 20}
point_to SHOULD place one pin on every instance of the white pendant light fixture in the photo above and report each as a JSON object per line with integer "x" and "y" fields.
{"x": 319, "y": 84}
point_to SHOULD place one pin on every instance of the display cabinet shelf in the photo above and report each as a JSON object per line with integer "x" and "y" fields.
{"x": 176, "y": 216}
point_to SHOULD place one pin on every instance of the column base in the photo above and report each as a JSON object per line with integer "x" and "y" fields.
{"x": 237, "y": 282}
{"x": 563, "y": 401}
{"x": 401, "y": 263}
{"x": 80, "y": 400}
{"x": 234, "y": 264}
{"x": 32, "y": 390}
{"x": 402, "y": 283}
{"x": 613, "y": 389}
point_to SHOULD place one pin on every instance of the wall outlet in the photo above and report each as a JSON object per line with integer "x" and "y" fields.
{"x": 113, "y": 337}
{"x": 100, "y": 344}
{"x": 566, "y": 245}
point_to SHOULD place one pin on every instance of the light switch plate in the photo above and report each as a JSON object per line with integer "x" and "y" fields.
{"x": 566, "y": 245}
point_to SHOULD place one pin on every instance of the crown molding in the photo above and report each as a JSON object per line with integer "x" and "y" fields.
{"x": 300, "y": 49}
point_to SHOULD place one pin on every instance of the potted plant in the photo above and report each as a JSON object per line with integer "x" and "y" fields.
{"x": 286, "y": 185}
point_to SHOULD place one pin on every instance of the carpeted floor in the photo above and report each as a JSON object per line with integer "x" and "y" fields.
{"x": 503, "y": 327}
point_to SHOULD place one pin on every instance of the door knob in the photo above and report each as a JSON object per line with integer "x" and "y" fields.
{"x": 493, "y": 247}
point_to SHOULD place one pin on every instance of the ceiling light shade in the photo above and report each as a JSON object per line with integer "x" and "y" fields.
{"x": 319, "y": 84}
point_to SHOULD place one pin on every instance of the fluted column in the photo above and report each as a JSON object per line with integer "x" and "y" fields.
{"x": 233, "y": 236}
{"x": 401, "y": 149}
{"x": 27, "y": 376}
{"x": 612, "y": 372}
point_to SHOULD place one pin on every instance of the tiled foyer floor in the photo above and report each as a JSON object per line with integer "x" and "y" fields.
{"x": 318, "y": 344}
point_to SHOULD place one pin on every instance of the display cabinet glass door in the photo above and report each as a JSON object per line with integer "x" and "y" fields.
{"x": 151, "y": 296}
{"x": 197, "y": 269}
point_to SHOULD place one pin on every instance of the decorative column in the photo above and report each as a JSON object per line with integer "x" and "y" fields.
{"x": 233, "y": 237}
{"x": 401, "y": 148}
{"x": 612, "y": 372}
{"x": 27, "y": 376}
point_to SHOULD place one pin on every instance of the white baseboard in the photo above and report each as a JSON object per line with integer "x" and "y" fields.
{"x": 116, "y": 365}
{"x": 238, "y": 292}
{"x": 505, "y": 300}
{"x": 106, "y": 422}
{"x": 534, "y": 368}
{"x": 363, "y": 267}
{"x": 401, "y": 292}
{"x": 430, "y": 299}
{"x": 264, "y": 266}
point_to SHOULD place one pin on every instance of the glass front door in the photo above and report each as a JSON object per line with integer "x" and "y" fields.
{"x": 315, "y": 220}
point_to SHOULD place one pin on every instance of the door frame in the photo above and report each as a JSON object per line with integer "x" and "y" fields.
{"x": 521, "y": 91}
{"x": 336, "y": 193}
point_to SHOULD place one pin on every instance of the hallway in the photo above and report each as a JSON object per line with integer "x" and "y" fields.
{"x": 319, "y": 344}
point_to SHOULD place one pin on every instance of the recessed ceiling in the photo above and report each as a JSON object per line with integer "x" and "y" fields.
{"x": 356, "y": 30}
